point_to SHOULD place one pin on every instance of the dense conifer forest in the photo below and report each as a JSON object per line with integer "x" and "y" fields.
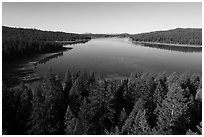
{"x": 17, "y": 42}
{"x": 175, "y": 36}
{"x": 82, "y": 104}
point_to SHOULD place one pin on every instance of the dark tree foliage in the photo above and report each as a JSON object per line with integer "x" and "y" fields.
{"x": 174, "y": 36}
{"x": 24, "y": 108}
{"x": 17, "y": 42}
{"x": 70, "y": 122}
{"x": 118, "y": 101}
{"x": 49, "y": 107}
{"x": 8, "y": 110}
{"x": 78, "y": 92}
{"x": 91, "y": 105}
{"x": 122, "y": 118}
{"x": 37, "y": 122}
{"x": 16, "y": 108}
{"x": 161, "y": 88}
{"x": 67, "y": 85}
{"x": 172, "y": 114}
{"x": 131, "y": 121}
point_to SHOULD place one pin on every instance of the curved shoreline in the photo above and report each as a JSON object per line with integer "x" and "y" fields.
{"x": 168, "y": 44}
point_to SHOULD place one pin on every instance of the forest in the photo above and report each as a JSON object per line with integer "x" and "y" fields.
{"x": 187, "y": 36}
{"x": 18, "y": 42}
{"x": 81, "y": 104}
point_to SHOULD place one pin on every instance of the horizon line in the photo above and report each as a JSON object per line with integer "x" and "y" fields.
{"x": 100, "y": 33}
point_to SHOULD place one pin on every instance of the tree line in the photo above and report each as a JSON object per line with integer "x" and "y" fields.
{"x": 17, "y": 42}
{"x": 175, "y": 36}
{"x": 82, "y": 104}
{"x": 172, "y": 47}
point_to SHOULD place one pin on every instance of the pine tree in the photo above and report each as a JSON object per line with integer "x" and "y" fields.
{"x": 161, "y": 88}
{"x": 68, "y": 81}
{"x": 135, "y": 89}
{"x": 102, "y": 118}
{"x": 141, "y": 126}
{"x": 195, "y": 113}
{"x": 195, "y": 84}
{"x": 70, "y": 122}
{"x": 55, "y": 103}
{"x": 91, "y": 78}
{"x": 127, "y": 128}
{"x": 171, "y": 79}
{"x": 172, "y": 118}
{"x": 118, "y": 100}
{"x": 198, "y": 94}
{"x": 37, "y": 122}
{"x": 75, "y": 97}
{"x": 122, "y": 118}
{"x": 67, "y": 85}
{"x": 84, "y": 118}
{"x": 24, "y": 109}
{"x": 8, "y": 110}
{"x": 48, "y": 107}
{"x": 187, "y": 80}
{"x": 148, "y": 90}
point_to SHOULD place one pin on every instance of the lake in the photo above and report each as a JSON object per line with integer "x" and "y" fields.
{"x": 118, "y": 57}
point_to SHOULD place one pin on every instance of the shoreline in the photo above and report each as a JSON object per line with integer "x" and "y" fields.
{"x": 168, "y": 44}
{"x": 73, "y": 42}
{"x": 30, "y": 62}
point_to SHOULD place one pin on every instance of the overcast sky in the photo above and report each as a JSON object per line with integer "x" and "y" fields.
{"x": 102, "y": 17}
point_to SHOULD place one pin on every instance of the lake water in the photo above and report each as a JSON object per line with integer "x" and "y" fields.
{"x": 118, "y": 57}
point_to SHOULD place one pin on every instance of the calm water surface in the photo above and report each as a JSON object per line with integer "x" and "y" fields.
{"x": 119, "y": 57}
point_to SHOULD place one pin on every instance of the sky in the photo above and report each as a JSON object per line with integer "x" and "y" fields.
{"x": 102, "y": 17}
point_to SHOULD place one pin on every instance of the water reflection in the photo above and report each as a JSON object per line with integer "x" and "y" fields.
{"x": 120, "y": 57}
{"x": 46, "y": 59}
{"x": 73, "y": 42}
{"x": 50, "y": 57}
{"x": 171, "y": 47}
{"x": 57, "y": 55}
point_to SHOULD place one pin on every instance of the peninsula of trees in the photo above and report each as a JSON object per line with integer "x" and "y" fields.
{"x": 17, "y": 42}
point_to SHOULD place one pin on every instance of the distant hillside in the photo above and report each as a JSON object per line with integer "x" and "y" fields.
{"x": 175, "y": 36}
{"x": 122, "y": 35}
{"x": 16, "y": 42}
{"x": 106, "y": 35}
{"x": 34, "y": 34}
{"x": 92, "y": 35}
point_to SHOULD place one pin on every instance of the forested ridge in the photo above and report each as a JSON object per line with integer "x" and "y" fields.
{"x": 121, "y": 35}
{"x": 99, "y": 35}
{"x": 188, "y": 36}
{"x": 142, "y": 104}
{"x": 17, "y": 42}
